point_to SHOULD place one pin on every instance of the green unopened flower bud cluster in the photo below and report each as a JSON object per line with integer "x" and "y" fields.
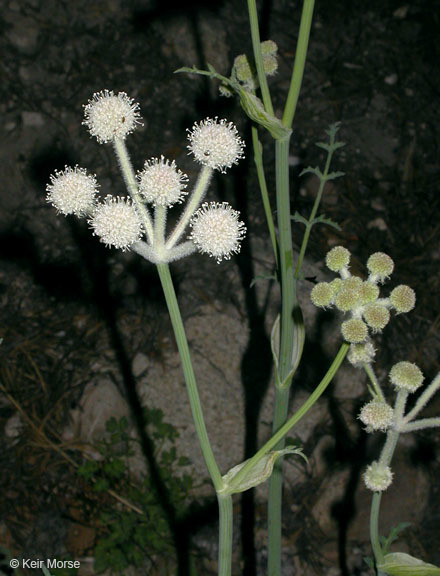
{"x": 246, "y": 74}
{"x": 360, "y": 299}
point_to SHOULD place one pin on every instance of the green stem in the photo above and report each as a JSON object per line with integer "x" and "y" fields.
{"x": 286, "y": 346}
{"x": 295, "y": 418}
{"x": 374, "y": 527}
{"x": 258, "y": 159}
{"x": 385, "y": 460}
{"x": 374, "y": 381}
{"x": 256, "y": 45}
{"x": 300, "y": 60}
{"x": 132, "y": 187}
{"x": 191, "y": 206}
{"x": 225, "y": 534}
{"x": 182, "y": 345}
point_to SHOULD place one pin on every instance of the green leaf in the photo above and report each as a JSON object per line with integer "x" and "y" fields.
{"x": 394, "y": 532}
{"x": 297, "y": 345}
{"x": 402, "y": 564}
{"x": 334, "y": 175}
{"x": 298, "y": 218}
{"x": 310, "y": 170}
{"x": 323, "y": 220}
{"x": 254, "y": 108}
{"x": 258, "y": 474}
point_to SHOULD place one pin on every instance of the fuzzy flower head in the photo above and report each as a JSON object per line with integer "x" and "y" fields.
{"x": 360, "y": 354}
{"x": 406, "y": 376}
{"x": 215, "y": 143}
{"x": 403, "y": 299}
{"x": 380, "y": 266}
{"x": 217, "y": 231}
{"x": 116, "y": 223}
{"x": 72, "y": 191}
{"x": 376, "y": 415}
{"x": 378, "y": 477}
{"x": 161, "y": 183}
{"x": 109, "y": 116}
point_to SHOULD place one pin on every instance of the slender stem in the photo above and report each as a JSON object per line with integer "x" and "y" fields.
{"x": 374, "y": 527}
{"x": 256, "y": 45}
{"x": 374, "y": 381}
{"x": 423, "y": 399}
{"x": 421, "y": 424}
{"x": 302, "y": 411}
{"x": 300, "y": 60}
{"x": 225, "y": 534}
{"x": 160, "y": 219}
{"x": 182, "y": 345}
{"x": 309, "y": 226}
{"x": 191, "y": 205}
{"x": 132, "y": 187}
{"x": 258, "y": 159}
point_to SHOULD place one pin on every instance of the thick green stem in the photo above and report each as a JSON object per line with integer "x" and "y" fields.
{"x": 225, "y": 534}
{"x": 300, "y": 60}
{"x": 182, "y": 345}
{"x": 286, "y": 346}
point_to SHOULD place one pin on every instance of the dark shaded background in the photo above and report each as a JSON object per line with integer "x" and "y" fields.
{"x": 373, "y": 66}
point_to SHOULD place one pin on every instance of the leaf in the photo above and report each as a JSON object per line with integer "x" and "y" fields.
{"x": 298, "y": 218}
{"x": 254, "y": 108}
{"x": 310, "y": 170}
{"x": 334, "y": 175}
{"x": 394, "y": 532}
{"x": 258, "y": 474}
{"x": 323, "y": 220}
{"x": 402, "y": 564}
{"x": 297, "y": 345}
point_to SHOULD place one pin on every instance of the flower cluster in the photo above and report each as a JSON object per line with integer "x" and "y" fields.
{"x": 126, "y": 222}
{"x": 368, "y": 313}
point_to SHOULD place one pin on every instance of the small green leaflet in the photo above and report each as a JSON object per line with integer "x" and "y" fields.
{"x": 319, "y": 220}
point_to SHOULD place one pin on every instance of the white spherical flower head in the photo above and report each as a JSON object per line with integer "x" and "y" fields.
{"x": 217, "y": 231}
{"x": 72, "y": 191}
{"x": 377, "y": 415}
{"x": 116, "y": 222}
{"x": 109, "y": 116}
{"x": 216, "y": 144}
{"x": 378, "y": 477}
{"x": 161, "y": 183}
